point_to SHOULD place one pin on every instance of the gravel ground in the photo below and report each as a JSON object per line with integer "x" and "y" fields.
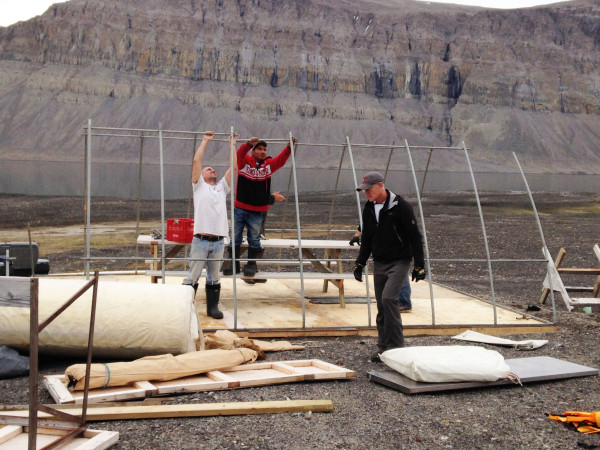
{"x": 368, "y": 415}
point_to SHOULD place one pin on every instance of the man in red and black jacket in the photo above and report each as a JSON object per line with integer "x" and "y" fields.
{"x": 253, "y": 189}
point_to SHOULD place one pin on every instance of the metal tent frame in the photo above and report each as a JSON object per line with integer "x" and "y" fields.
{"x": 346, "y": 147}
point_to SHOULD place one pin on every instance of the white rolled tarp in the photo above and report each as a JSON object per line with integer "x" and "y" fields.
{"x": 132, "y": 319}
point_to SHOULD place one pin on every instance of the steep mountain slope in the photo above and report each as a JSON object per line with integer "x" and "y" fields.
{"x": 377, "y": 71}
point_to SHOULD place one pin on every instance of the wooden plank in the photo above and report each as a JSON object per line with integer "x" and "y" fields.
{"x": 9, "y": 432}
{"x": 596, "y": 288}
{"x": 578, "y": 271}
{"x": 285, "y": 368}
{"x": 192, "y": 410}
{"x": 15, "y": 292}
{"x": 245, "y": 375}
{"x": 583, "y": 301}
{"x": 579, "y": 288}
{"x": 99, "y": 440}
{"x": 90, "y": 440}
{"x": 55, "y": 384}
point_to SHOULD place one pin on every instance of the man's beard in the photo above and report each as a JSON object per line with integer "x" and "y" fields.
{"x": 212, "y": 178}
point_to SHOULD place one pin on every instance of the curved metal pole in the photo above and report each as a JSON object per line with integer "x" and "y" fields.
{"x": 485, "y": 240}
{"x": 361, "y": 226}
{"x": 426, "y": 245}
{"x": 300, "y": 257}
{"x": 162, "y": 202}
{"x": 539, "y": 224}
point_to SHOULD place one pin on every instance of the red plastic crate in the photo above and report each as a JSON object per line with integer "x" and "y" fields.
{"x": 180, "y": 230}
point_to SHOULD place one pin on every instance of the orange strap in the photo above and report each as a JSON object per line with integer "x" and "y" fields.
{"x": 585, "y": 422}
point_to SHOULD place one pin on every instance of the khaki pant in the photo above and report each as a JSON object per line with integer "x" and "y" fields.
{"x": 388, "y": 279}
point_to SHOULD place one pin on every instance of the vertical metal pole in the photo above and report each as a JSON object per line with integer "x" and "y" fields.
{"x": 361, "y": 226}
{"x": 88, "y": 200}
{"x": 139, "y": 200}
{"x": 33, "y": 361}
{"x": 300, "y": 257}
{"x": 233, "y": 154}
{"x": 191, "y": 198}
{"x": 539, "y": 224}
{"x": 426, "y": 245}
{"x": 162, "y": 201}
{"x": 7, "y": 263}
{"x": 485, "y": 240}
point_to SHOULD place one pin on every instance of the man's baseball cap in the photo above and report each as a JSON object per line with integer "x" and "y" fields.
{"x": 369, "y": 180}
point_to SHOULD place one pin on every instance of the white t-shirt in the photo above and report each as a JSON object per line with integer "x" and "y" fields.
{"x": 210, "y": 207}
{"x": 378, "y": 207}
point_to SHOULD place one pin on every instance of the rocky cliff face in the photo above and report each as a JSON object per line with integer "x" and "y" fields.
{"x": 378, "y": 71}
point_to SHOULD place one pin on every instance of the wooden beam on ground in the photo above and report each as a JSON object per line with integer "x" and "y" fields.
{"x": 578, "y": 271}
{"x": 187, "y": 410}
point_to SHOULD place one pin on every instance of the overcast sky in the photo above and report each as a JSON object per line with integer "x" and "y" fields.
{"x": 12, "y": 11}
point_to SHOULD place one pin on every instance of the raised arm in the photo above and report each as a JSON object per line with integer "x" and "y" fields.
{"x": 278, "y": 161}
{"x": 197, "y": 164}
{"x": 228, "y": 173}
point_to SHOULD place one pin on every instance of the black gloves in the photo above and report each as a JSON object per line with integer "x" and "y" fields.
{"x": 418, "y": 273}
{"x": 358, "y": 271}
{"x": 354, "y": 240}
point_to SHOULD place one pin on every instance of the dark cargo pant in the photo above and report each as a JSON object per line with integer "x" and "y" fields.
{"x": 388, "y": 279}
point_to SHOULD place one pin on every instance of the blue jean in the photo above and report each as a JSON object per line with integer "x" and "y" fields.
{"x": 210, "y": 255}
{"x": 252, "y": 220}
{"x": 404, "y": 297}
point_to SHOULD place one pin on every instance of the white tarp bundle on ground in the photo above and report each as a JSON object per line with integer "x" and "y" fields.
{"x": 132, "y": 319}
{"x": 157, "y": 368}
{"x": 474, "y": 336}
{"x": 452, "y": 363}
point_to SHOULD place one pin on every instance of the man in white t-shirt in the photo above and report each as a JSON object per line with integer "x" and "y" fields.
{"x": 210, "y": 226}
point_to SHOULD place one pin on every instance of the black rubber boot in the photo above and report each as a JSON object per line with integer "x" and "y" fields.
{"x": 195, "y": 286}
{"x": 213, "y": 292}
{"x": 250, "y": 267}
{"x": 228, "y": 270}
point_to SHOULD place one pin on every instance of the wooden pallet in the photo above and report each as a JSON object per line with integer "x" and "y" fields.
{"x": 16, "y": 437}
{"x": 247, "y": 375}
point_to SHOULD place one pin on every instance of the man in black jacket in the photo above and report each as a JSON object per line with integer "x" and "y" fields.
{"x": 389, "y": 233}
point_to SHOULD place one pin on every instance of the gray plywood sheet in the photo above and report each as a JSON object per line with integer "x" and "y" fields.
{"x": 529, "y": 370}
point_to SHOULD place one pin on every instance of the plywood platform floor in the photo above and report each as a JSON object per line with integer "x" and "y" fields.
{"x": 274, "y": 309}
{"x": 278, "y": 304}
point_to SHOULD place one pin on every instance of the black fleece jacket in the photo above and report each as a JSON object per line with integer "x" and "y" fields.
{"x": 395, "y": 237}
